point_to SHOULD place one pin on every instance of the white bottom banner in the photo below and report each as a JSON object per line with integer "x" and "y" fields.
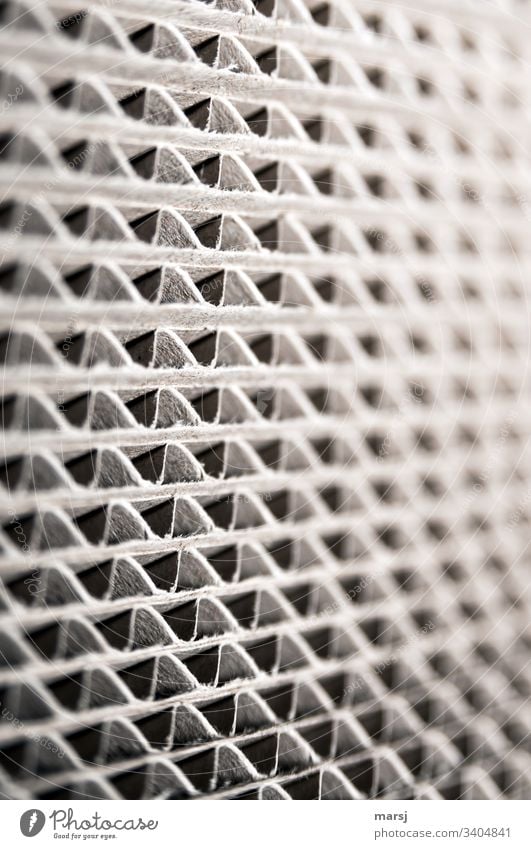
{"x": 255, "y": 825}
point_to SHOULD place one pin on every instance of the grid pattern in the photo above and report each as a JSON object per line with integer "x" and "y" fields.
{"x": 265, "y": 465}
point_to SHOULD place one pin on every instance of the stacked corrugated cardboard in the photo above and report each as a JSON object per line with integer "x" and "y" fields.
{"x": 266, "y": 399}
